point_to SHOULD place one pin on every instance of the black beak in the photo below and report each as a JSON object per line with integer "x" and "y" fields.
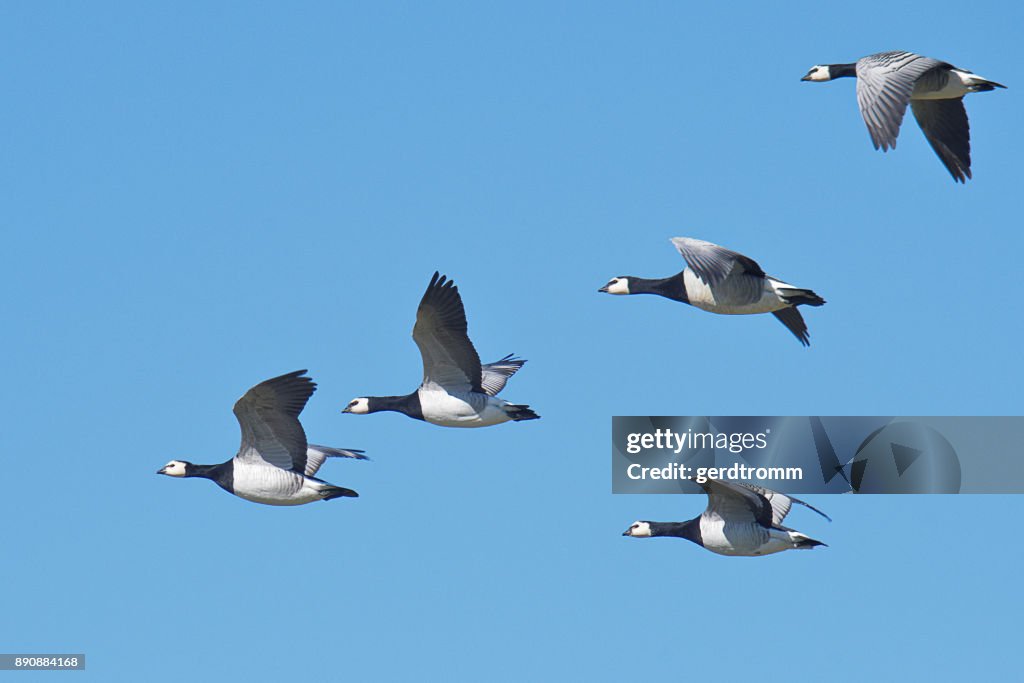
{"x": 603, "y": 289}
{"x": 806, "y": 78}
{"x": 626, "y": 532}
{"x": 162, "y": 470}
{"x": 345, "y": 410}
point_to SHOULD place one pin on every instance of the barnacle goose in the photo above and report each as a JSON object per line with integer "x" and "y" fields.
{"x": 457, "y": 391}
{"x": 887, "y": 81}
{"x": 274, "y": 465}
{"x": 740, "y": 519}
{"x": 722, "y": 281}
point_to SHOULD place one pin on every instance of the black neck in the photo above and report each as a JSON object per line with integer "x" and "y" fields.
{"x": 689, "y": 530}
{"x": 670, "y": 287}
{"x": 223, "y": 474}
{"x": 842, "y": 70}
{"x": 205, "y": 471}
{"x": 407, "y": 405}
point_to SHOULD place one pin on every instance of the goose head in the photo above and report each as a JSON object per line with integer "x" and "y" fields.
{"x": 639, "y": 530}
{"x": 818, "y": 72}
{"x": 617, "y": 285}
{"x": 175, "y": 468}
{"x": 358, "y": 406}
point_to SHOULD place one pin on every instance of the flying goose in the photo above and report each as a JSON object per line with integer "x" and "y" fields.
{"x": 274, "y": 465}
{"x": 722, "y": 281}
{"x": 740, "y": 519}
{"x": 887, "y": 81}
{"x": 457, "y": 391}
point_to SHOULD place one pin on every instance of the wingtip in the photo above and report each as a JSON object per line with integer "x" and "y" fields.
{"x": 295, "y": 374}
{"x": 354, "y": 453}
{"x": 816, "y": 510}
{"x": 439, "y": 281}
{"x": 519, "y": 412}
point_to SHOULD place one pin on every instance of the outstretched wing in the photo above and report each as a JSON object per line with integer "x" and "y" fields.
{"x": 269, "y": 417}
{"x": 496, "y": 374}
{"x": 885, "y": 82}
{"x": 449, "y": 360}
{"x": 736, "y": 504}
{"x": 944, "y": 123}
{"x": 794, "y": 322}
{"x": 780, "y": 502}
{"x": 316, "y": 455}
{"x": 714, "y": 264}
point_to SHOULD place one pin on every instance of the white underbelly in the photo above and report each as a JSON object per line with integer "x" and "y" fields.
{"x": 749, "y": 540}
{"x": 299, "y": 498}
{"x": 777, "y": 542}
{"x": 721, "y": 298}
{"x": 954, "y": 88}
{"x": 767, "y": 304}
{"x": 746, "y": 539}
{"x": 453, "y": 410}
{"x": 731, "y": 539}
{"x": 271, "y": 485}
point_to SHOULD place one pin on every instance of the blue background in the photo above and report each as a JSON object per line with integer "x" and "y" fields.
{"x": 199, "y": 196}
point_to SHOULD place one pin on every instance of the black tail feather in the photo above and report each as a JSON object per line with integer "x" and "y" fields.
{"x": 985, "y": 86}
{"x": 801, "y": 297}
{"x": 519, "y": 412}
{"x": 332, "y": 492}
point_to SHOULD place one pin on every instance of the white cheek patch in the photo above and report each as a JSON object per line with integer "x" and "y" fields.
{"x": 819, "y": 73}
{"x": 640, "y": 530}
{"x": 359, "y": 406}
{"x": 618, "y": 286}
{"x": 174, "y": 468}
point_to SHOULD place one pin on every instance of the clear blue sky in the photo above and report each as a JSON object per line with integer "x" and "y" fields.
{"x": 200, "y": 196}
